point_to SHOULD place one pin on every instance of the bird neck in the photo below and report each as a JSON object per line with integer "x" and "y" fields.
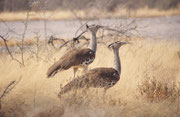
{"x": 117, "y": 62}
{"x": 93, "y": 42}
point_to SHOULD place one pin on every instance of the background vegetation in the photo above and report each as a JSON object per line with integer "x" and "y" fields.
{"x": 109, "y": 5}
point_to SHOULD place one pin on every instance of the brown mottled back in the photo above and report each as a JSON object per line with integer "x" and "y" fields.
{"x": 97, "y": 78}
{"x": 72, "y": 58}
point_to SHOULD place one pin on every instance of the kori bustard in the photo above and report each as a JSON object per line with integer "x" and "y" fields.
{"x": 77, "y": 58}
{"x": 98, "y": 77}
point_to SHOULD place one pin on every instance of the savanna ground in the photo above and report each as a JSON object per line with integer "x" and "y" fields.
{"x": 150, "y": 80}
{"x": 149, "y": 84}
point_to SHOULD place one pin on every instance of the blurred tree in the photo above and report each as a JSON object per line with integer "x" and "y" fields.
{"x": 14, "y": 5}
{"x": 109, "y": 5}
{"x": 165, "y": 4}
{"x": 2, "y": 5}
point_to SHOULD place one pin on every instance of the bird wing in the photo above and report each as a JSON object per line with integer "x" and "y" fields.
{"x": 77, "y": 57}
{"x": 72, "y": 58}
{"x": 97, "y": 78}
{"x": 104, "y": 77}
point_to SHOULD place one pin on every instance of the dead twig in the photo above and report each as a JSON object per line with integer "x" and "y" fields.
{"x": 122, "y": 30}
{"x": 119, "y": 31}
{"x": 9, "y": 29}
{"x": 81, "y": 28}
{"x": 37, "y": 46}
{"x": 77, "y": 37}
{"x": 65, "y": 43}
{"x": 23, "y": 37}
{"x": 8, "y": 88}
{"x": 52, "y": 39}
{"x": 9, "y": 52}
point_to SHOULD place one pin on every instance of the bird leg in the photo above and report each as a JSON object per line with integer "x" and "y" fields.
{"x": 84, "y": 92}
{"x": 74, "y": 72}
{"x": 85, "y": 69}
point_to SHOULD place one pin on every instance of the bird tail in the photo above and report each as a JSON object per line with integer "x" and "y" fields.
{"x": 68, "y": 87}
{"x": 53, "y": 69}
{"x": 71, "y": 86}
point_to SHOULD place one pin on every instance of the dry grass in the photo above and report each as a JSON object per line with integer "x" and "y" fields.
{"x": 145, "y": 12}
{"x": 32, "y": 41}
{"x": 36, "y": 96}
{"x": 88, "y": 14}
{"x": 154, "y": 90}
{"x": 12, "y": 43}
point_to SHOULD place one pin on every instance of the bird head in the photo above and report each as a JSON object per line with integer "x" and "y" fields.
{"x": 117, "y": 44}
{"x": 93, "y": 28}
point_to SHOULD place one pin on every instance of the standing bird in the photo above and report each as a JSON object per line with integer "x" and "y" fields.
{"x": 98, "y": 77}
{"x": 78, "y": 57}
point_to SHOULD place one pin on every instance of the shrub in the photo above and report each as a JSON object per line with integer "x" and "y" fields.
{"x": 154, "y": 90}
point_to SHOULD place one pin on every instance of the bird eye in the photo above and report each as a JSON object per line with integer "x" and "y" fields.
{"x": 90, "y": 52}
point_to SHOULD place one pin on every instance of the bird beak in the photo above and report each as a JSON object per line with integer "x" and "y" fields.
{"x": 87, "y": 26}
{"x": 124, "y": 43}
{"x": 119, "y": 43}
{"x": 110, "y": 46}
{"x": 100, "y": 27}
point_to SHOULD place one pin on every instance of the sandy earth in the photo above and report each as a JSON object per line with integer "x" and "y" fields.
{"x": 159, "y": 61}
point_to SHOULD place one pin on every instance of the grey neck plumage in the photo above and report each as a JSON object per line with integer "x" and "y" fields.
{"x": 93, "y": 42}
{"x": 117, "y": 62}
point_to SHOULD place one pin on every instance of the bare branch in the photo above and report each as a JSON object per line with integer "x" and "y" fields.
{"x": 81, "y": 28}
{"x": 9, "y": 87}
{"x": 65, "y": 43}
{"x": 23, "y": 36}
{"x": 9, "y": 52}
{"x": 119, "y": 31}
{"x": 9, "y": 29}
{"x": 52, "y": 39}
{"x": 36, "y": 52}
{"x": 76, "y": 38}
